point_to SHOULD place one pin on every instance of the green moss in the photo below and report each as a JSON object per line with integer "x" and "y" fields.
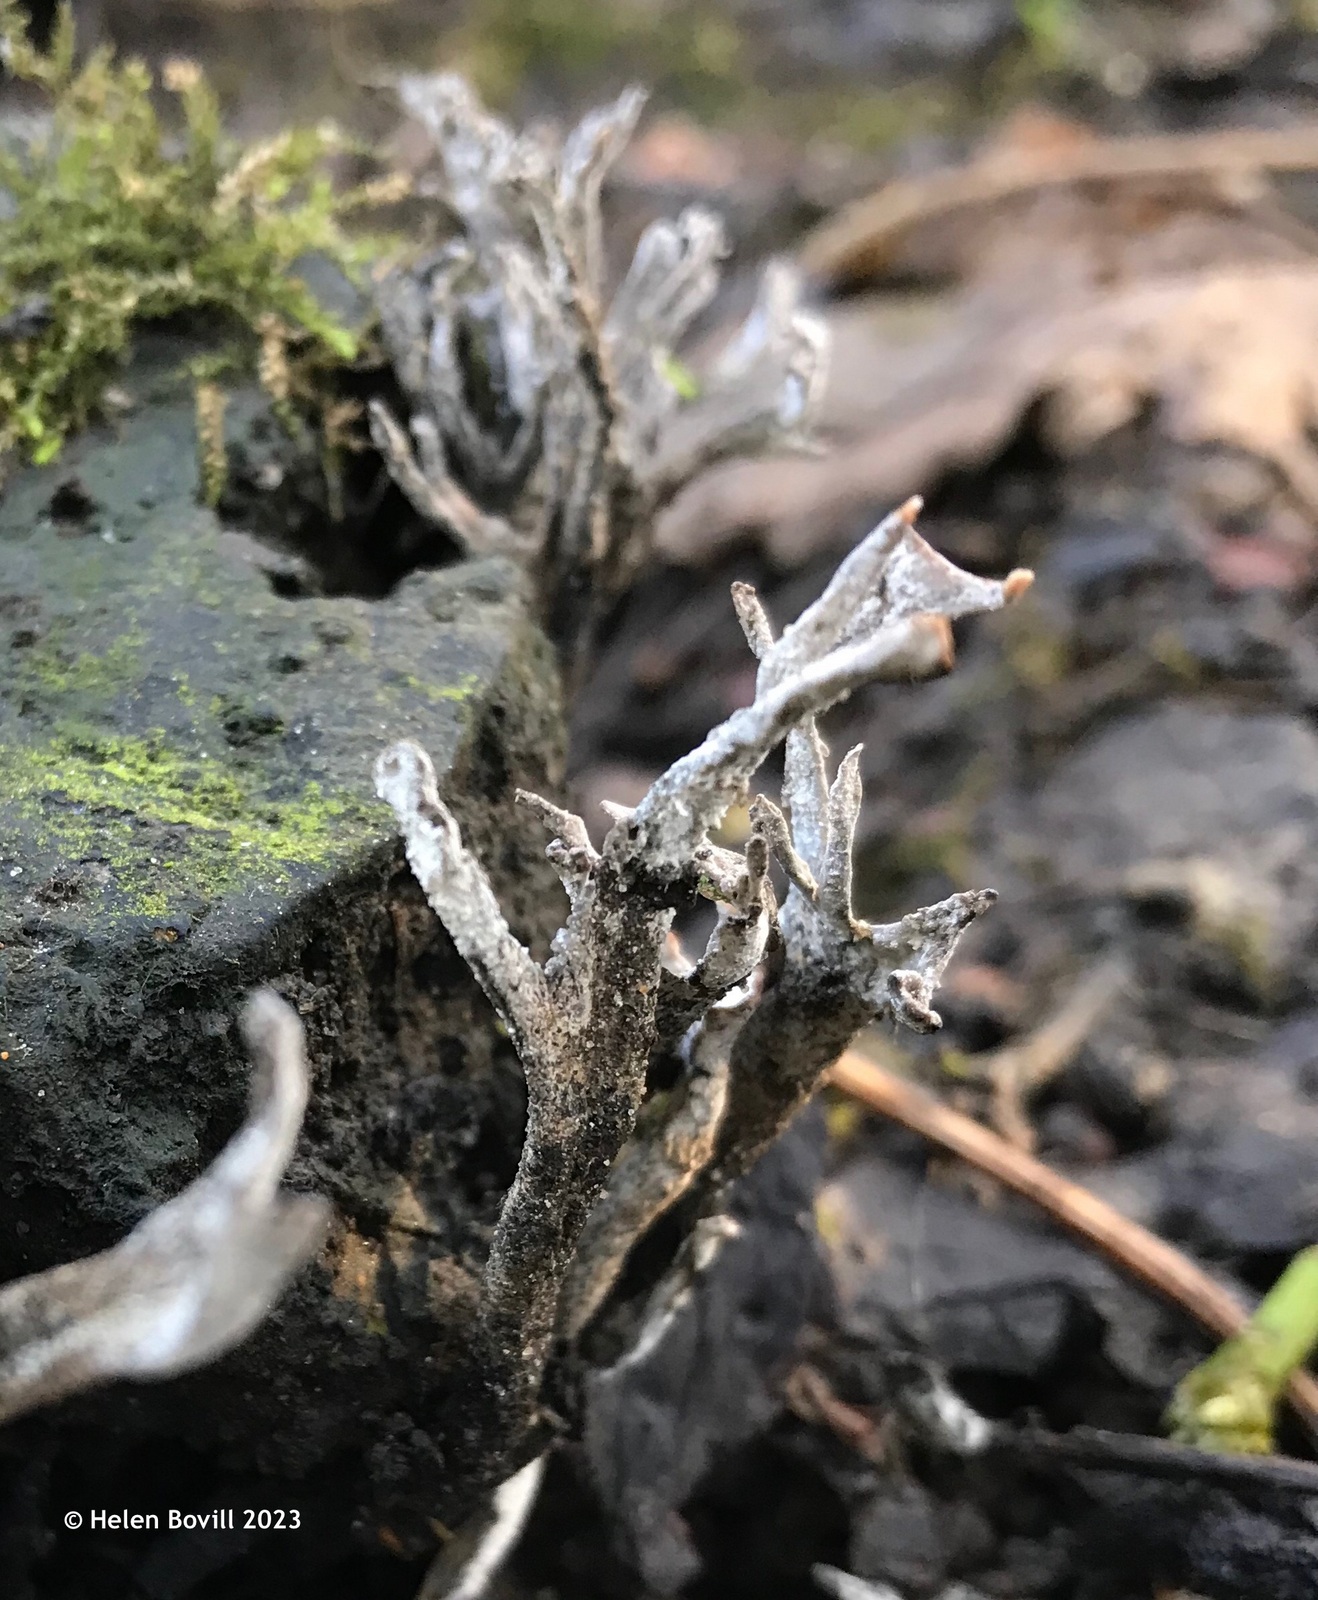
{"x": 116, "y": 223}
{"x": 689, "y": 55}
{"x": 1049, "y": 27}
{"x": 89, "y": 793}
{"x": 47, "y": 667}
{"x": 439, "y": 693}
{"x": 692, "y": 58}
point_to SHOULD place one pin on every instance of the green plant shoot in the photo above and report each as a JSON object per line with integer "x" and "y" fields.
{"x": 1228, "y": 1403}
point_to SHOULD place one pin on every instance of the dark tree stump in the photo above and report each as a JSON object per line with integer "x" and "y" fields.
{"x": 186, "y": 810}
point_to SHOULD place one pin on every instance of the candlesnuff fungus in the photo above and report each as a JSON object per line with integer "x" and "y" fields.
{"x": 547, "y": 420}
{"x": 546, "y": 424}
{"x": 197, "y": 1274}
{"x": 755, "y": 1022}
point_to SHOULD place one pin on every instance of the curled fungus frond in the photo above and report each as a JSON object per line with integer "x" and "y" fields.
{"x": 197, "y": 1274}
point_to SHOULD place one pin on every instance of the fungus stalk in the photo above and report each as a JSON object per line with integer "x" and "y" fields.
{"x": 753, "y": 1023}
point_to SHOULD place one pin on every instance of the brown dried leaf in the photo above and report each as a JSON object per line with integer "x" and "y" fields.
{"x": 1190, "y": 303}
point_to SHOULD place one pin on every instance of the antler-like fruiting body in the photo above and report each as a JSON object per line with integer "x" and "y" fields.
{"x": 752, "y": 1037}
{"x": 545, "y": 423}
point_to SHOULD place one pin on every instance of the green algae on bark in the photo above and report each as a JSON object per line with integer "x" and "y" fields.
{"x": 165, "y": 710}
{"x": 86, "y": 791}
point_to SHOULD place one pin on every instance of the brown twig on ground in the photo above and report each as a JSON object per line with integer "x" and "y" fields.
{"x": 862, "y": 237}
{"x": 810, "y": 1396}
{"x": 1016, "y": 1071}
{"x": 1135, "y": 1250}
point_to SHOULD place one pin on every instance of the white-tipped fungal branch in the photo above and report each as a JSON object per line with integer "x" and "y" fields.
{"x": 754, "y": 1023}
{"x": 544, "y": 423}
{"x": 196, "y": 1275}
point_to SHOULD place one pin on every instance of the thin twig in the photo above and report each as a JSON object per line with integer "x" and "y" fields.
{"x": 1016, "y": 1071}
{"x": 810, "y": 1396}
{"x": 863, "y": 236}
{"x": 1153, "y": 1261}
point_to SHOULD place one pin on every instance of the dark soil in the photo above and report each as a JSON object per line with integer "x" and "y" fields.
{"x": 1100, "y": 798}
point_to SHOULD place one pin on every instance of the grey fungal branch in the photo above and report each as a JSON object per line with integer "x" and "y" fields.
{"x": 755, "y": 1021}
{"x": 545, "y": 420}
{"x": 197, "y": 1274}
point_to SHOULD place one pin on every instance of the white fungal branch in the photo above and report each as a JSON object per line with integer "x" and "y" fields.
{"x": 838, "y": 974}
{"x": 465, "y": 1569}
{"x": 461, "y": 897}
{"x": 745, "y": 1040}
{"x": 742, "y": 931}
{"x": 542, "y": 423}
{"x": 763, "y": 394}
{"x": 747, "y": 914}
{"x": 569, "y": 848}
{"x": 673, "y": 277}
{"x": 868, "y": 623}
{"x": 196, "y": 1275}
{"x": 432, "y": 491}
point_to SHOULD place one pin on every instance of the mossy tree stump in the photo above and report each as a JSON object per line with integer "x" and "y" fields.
{"x": 186, "y": 810}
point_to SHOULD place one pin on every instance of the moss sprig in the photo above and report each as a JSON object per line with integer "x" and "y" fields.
{"x": 117, "y": 220}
